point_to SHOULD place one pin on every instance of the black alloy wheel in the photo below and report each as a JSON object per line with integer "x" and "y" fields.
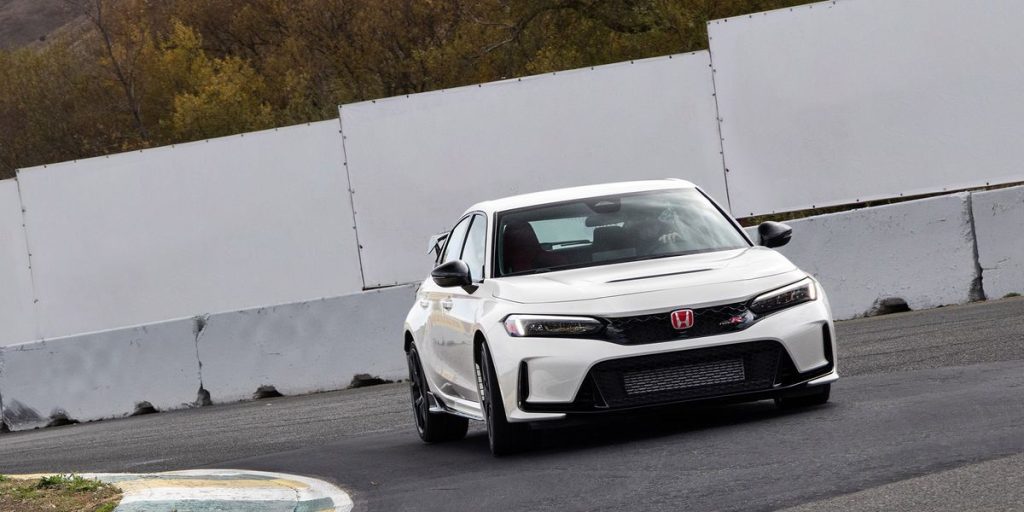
{"x": 505, "y": 438}
{"x": 432, "y": 427}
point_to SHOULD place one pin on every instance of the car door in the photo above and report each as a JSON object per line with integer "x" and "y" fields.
{"x": 437, "y": 301}
{"x": 462, "y": 306}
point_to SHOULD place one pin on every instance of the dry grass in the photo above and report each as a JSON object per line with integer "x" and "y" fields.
{"x": 25, "y": 22}
{"x": 60, "y": 493}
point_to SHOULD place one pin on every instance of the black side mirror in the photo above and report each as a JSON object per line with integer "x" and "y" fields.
{"x": 453, "y": 273}
{"x": 774, "y": 234}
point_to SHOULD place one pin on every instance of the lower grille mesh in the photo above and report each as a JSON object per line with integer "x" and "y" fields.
{"x": 688, "y": 374}
{"x": 682, "y": 377}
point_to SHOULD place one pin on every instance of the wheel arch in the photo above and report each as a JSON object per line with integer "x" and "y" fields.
{"x": 478, "y": 341}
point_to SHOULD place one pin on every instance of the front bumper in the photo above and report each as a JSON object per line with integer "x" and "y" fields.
{"x": 729, "y": 371}
{"x": 545, "y": 379}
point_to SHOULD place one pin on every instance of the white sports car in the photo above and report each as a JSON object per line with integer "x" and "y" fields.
{"x": 605, "y": 298}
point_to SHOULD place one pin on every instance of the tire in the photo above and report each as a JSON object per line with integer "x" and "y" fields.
{"x": 432, "y": 427}
{"x": 817, "y": 395}
{"x": 504, "y": 438}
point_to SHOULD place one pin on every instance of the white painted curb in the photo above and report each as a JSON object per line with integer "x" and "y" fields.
{"x": 216, "y": 489}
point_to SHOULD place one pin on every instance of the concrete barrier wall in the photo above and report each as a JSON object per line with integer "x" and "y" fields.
{"x": 220, "y": 225}
{"x": 999, "y": 224}
{"x": 293, "y": 349}
{"x": 97, "y": 376}
{"x": 17, "y": 312}
{"x": 306, "y": 347}
{"x": 417, "y": 162}
{"x": 846, "y": 101}
{"x": 919, "y": 251}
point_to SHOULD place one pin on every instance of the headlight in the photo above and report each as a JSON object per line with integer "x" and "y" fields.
{"x": 551, "y": 326}
{"x": 796, "y": 293}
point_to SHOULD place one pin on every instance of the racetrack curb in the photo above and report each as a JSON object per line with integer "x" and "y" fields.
{"x": 220, "y": 489}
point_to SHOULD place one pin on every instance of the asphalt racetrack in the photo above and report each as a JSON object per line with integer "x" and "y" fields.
{"x": 928, "y": 415}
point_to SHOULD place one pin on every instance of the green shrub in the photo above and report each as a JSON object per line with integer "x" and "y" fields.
{"x": 73, "y": 483}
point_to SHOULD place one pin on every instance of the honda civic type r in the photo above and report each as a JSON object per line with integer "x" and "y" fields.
{"x": 608, "y": 298}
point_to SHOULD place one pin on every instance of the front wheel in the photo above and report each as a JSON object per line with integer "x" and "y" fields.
{"x": 504, "y": 438}
{"x": 432, "y": 427}
{"x": 817, "y": 395}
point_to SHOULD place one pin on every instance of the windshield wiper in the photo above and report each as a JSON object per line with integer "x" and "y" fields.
{"x": 540, "y": 270}
{"x": 543, "y": 270}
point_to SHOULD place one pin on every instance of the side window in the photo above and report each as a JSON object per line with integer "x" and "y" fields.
{"x": 455, "y": 240}
{"x": 476, "y": 243}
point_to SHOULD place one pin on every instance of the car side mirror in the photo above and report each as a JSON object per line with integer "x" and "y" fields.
{"x": 774, "y": 234}
{"x": 453, "y": 273}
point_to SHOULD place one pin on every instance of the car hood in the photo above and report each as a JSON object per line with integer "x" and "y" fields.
{"x": 709, "y": 277}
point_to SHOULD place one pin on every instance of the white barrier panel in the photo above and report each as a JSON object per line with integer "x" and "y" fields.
{"x": 999, "y": 225}
{"x": 838, "y": 102}
{"x": 17, "y": 319}
{"x": 918, "y": 251}
{"x": 100, "y": 375}
{"x": 305, "y": 348}
{"x": 221, "y": 225}
{"x": 417, "y": 162}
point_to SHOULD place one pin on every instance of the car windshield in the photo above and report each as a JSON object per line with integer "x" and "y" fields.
{"x": 611, "y": 229}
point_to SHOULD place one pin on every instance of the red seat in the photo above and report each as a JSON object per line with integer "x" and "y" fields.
{"x": 521, "y": 250}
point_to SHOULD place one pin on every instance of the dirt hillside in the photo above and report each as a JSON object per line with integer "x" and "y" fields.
{"x": 24, "y": 22}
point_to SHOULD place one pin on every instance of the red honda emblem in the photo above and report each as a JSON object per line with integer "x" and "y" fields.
{"x": 682, "y": 319}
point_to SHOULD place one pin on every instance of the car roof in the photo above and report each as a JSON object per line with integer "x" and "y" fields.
{"x": 573, "y": 193}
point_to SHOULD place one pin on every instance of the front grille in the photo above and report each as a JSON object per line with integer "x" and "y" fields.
{"x": 685, "y": 375}
{"x": 682, "y": 377}
{"x": 654, "y": 328}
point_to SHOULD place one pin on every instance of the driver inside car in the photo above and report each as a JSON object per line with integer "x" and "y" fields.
{"x": 652, "y": 230}
{"x": 523, "y": 252}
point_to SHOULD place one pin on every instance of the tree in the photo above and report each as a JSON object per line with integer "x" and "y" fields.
{"x": 52, "y": 109}
{"x": 226, "y": 100}
{"x": 124, "y": 39}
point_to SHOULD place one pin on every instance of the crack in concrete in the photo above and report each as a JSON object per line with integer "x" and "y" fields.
{"x": 202, "y": 396}
{"x": 298, "y": 500}
{"x": 977, "y": 291}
